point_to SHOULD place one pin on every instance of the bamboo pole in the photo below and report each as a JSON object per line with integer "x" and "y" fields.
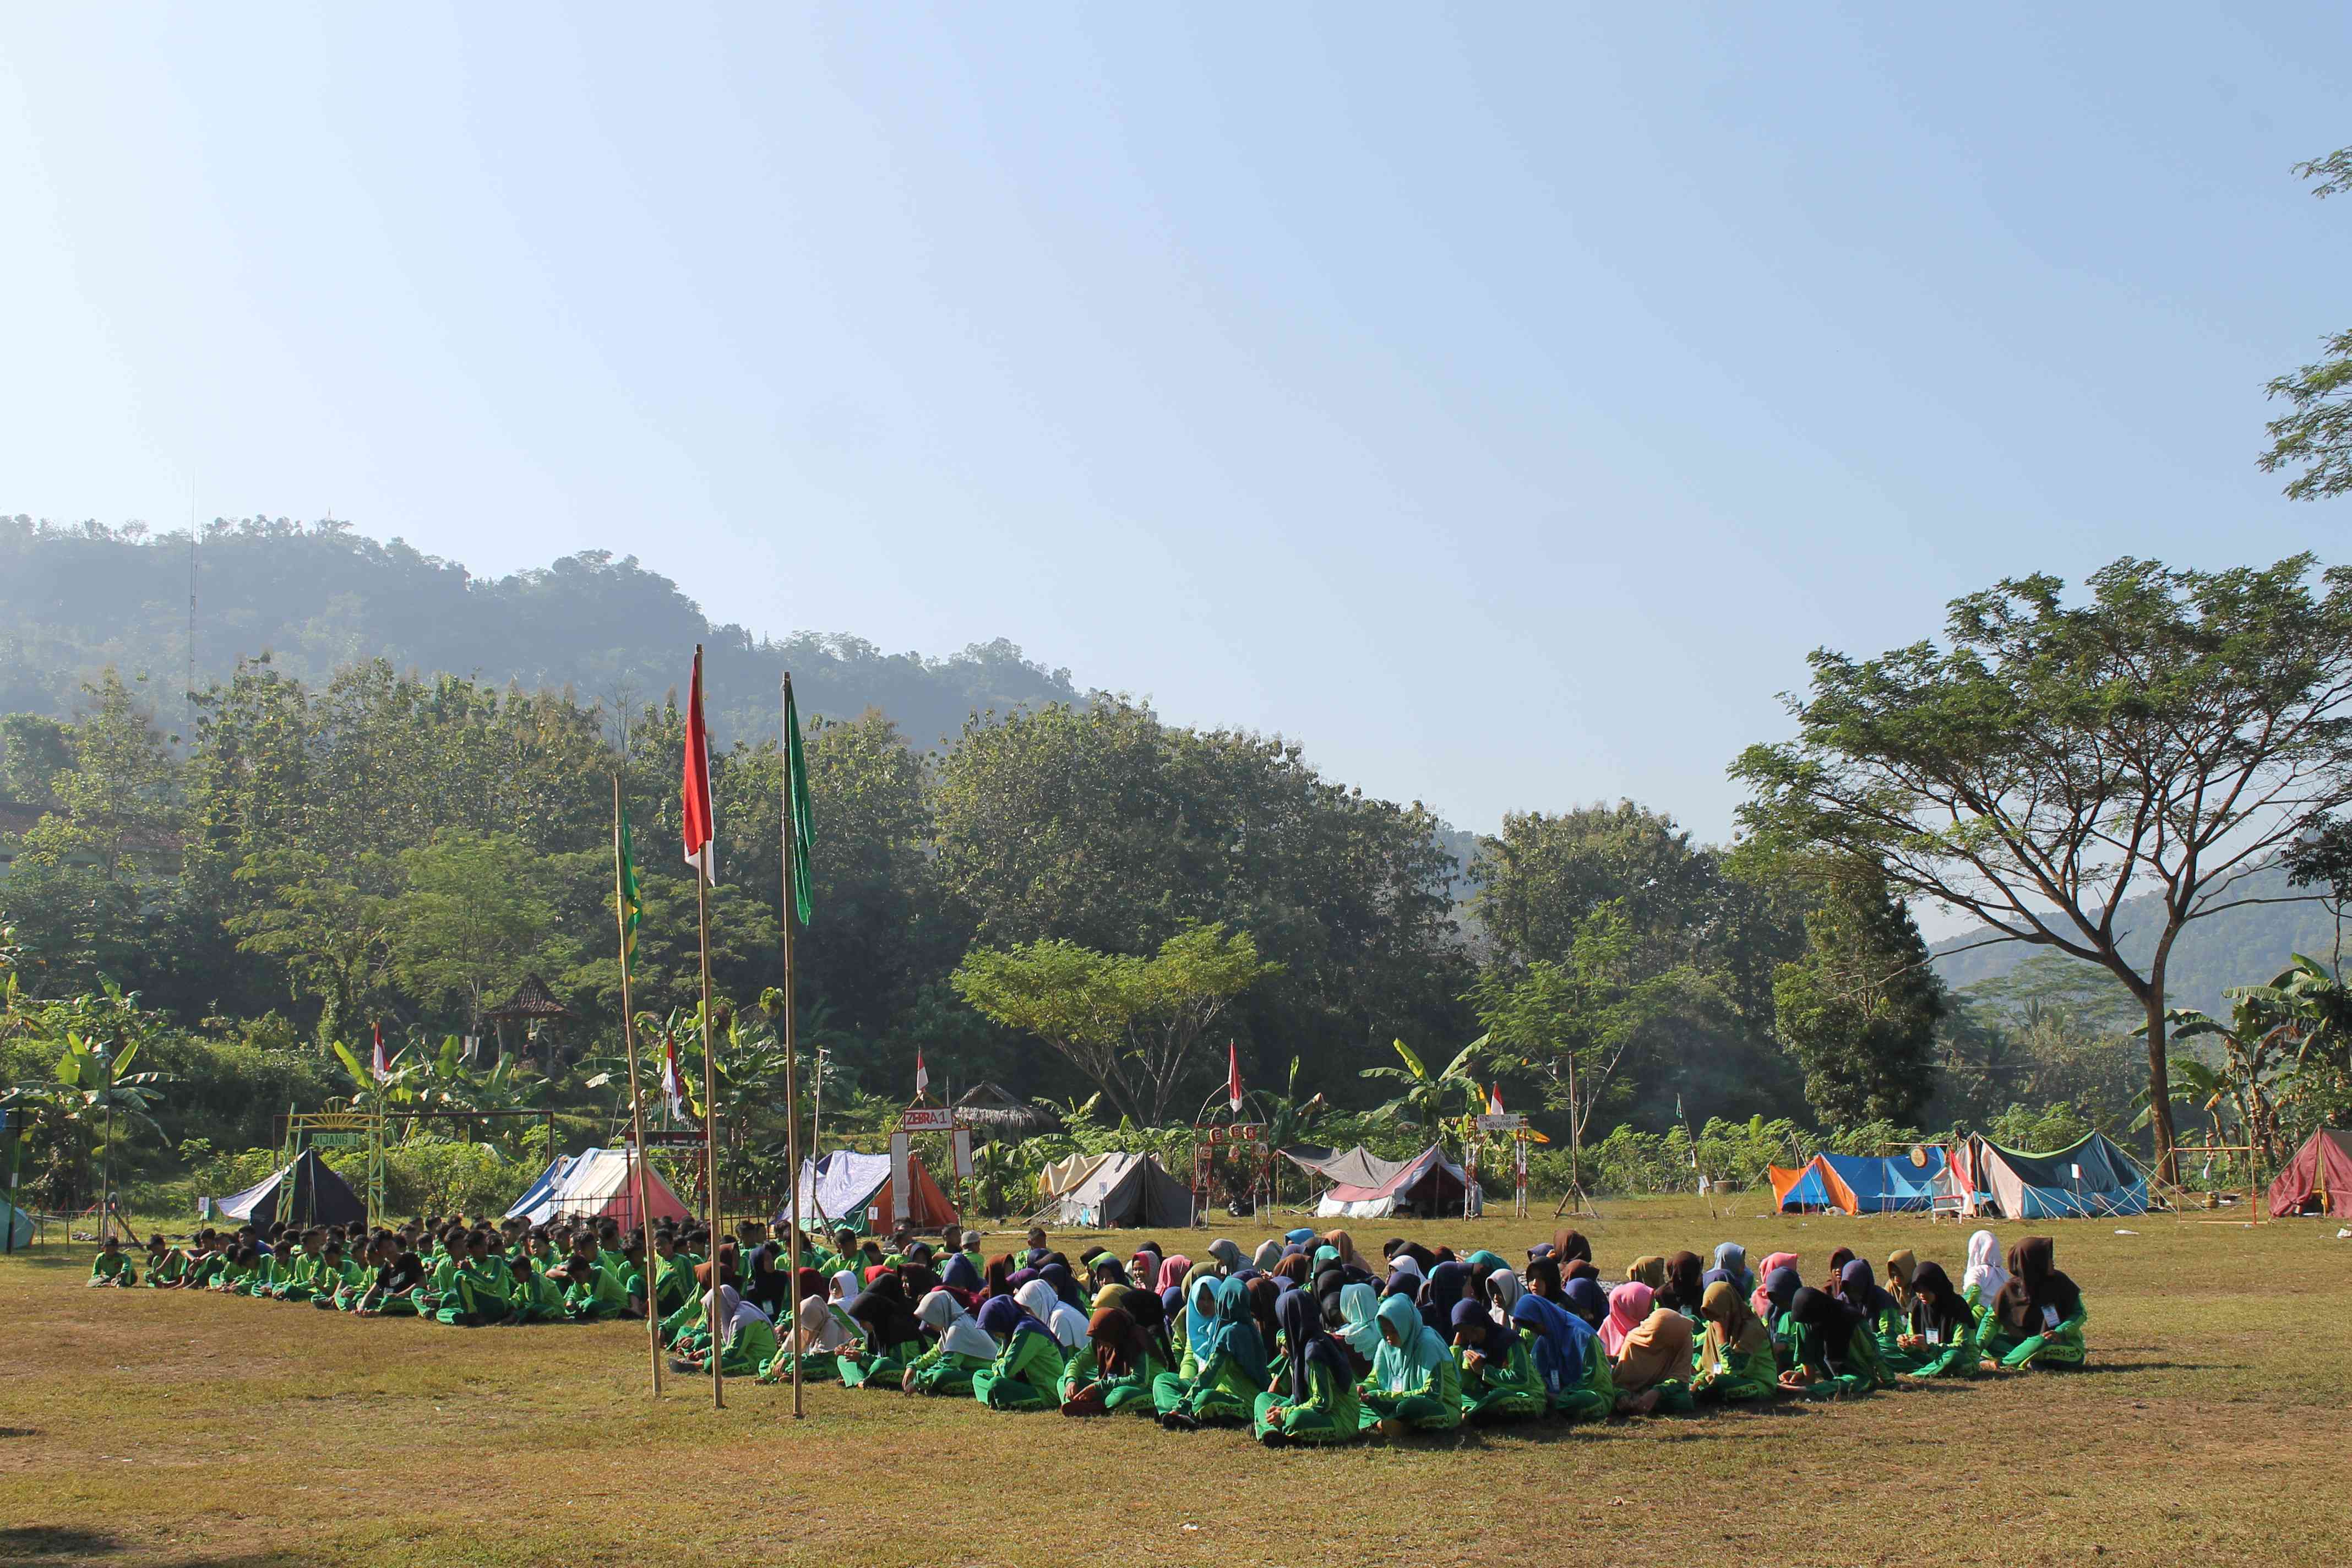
{"x": 710, "y": 1145}
{"x": 636, "y": 1106}
{"x": 792, "y": 1082}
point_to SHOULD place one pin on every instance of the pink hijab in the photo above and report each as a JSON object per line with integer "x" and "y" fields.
{"x": 1758, "y": 1303}
{"x": 1628, "y": 1304}
{"x": 1172, "y": 1272}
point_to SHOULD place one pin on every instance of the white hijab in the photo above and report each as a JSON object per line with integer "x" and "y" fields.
{"x": 819, "y": 1329}
{"x": 1037, "y": 1299}
{"x": 1505, "y": 1287}
{"x": 959, "y": 1333}
{"x": 735, "y": 1313}
{"x": 1984, "y": 1270}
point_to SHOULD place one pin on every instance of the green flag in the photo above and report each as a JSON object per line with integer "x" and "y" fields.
{"x": 796, "y": 801}
{"x": 632, "y": 904}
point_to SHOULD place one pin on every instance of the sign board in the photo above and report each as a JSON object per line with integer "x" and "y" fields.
{"x": 1506, "y": 1121}
{"x": 961, "y": 1142}
{"x": 926, "y": 1119}
{"x": 339, "y": 1140}
{"x": 679, "y": 1138}
{"x": 899, "y": 1195}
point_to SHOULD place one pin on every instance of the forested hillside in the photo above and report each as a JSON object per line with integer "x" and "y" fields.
{"x": 78, "y": 599}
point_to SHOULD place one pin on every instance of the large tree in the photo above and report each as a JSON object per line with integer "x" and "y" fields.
{"x": 2316, "y": 434}
{"x": 2171, "y": 735}
{"x": 1859, "y": 1010}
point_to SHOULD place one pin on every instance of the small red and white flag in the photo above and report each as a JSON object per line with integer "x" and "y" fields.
{"x": 1495, "y": 1100}
{"x": 378, "y": 1065}
{"x": 922, "y": 1074}
{"x": 673, "y": 1082}
{"x": 1233, "y": 1077}
{"x": 696, "y": 788}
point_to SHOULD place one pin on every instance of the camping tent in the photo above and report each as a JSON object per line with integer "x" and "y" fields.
{"x": 1122, "y": 1189}
{"x": 308, "y": 1191}
{"x": 1060, "y": 1175}
{"x": 2089, "y": 1177}
{"x": 1857, "y": 1183}
{"x": 1364, "y": 1186}
{"x": 597, "y": 1183}
{"x": 846, "y": 1188}
{"x": 2318, "y": 1180}
{"x": 1806, "y": 1187}
{"x": 19, "y": 1225}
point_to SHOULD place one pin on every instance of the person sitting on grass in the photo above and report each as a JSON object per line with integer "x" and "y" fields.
{"x": 1224, "y": 1365}
{"x": 1735, "y": 1363}
{"x": 336, "y": 1276}
{"x": 237, "y": 1275}
{"x": 534, "y": 1298}
{"x": 1835, "y": 1353}
{"x": 959, "y": 1350}
{"x": 298, "y": 1280}
{"x": 1115, "y": 1369}
{"x": 1940, "y": 1337}
{"x": 1859, "y": 1289}
{"x": 396, "y": 1283}
{"x": 1629, "y": 1305}
{"x": 112, "y": 1269}
{"x": 480, "y": 1287}
{"x": 1981, "y": 1280}
{"x": 2038, "y": 1315}
{"x": 817, "y": 1335}
{"x": 595, "y": 1292}
{"x": 1564, "y": 1346}
{"x": 167, "y": 1267}
{"x": 1415, "y": 1385}
{"x": 1314, "y": 1401}
{"x": 747, "y": 1340}
{"x": 1028, "y": 1372}
{"x": 889, "y": 1336}
{"x": 1654, "y": 1365}
{"x": 1498, "y": 1374}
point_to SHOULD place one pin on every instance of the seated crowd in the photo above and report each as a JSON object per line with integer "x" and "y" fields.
{"x": 1304, "y": 1340}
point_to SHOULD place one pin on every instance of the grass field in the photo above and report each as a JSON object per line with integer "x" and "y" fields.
{"x": 172, "y": 1428}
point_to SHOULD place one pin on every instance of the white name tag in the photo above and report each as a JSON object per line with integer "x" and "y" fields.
{"x": 2048, "y": 1317}
{"x": 1934, "y": 1336}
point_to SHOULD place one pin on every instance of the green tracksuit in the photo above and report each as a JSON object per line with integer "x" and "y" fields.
{"x": 1496, "y": 1392}
{"x": 1131, "y": 1392}
{"x": 1331, "y": 1413}
{"x": 110, "y": 1269}
{"x": 1025, "y": 1375}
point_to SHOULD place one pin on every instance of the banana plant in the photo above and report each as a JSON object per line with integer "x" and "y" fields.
{"x": 1430, "y": 1100}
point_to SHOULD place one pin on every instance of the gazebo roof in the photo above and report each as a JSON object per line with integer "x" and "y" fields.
{"x": 531, "y": 999}
{"x": 994, "y": 1107}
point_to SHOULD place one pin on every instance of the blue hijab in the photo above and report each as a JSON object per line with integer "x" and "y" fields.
{"x": 1731, "y": 1262}
{"x": 961, "y": 1273}
{"x": 1235, "y": 1336}
{"x": 1586, "y": 1299}
{"x": 1005, "y": 1321}
{"x": 1199, "y": 1327}
{"x": 1562, "y": 1340}
{"x": 1495, "y": 1339}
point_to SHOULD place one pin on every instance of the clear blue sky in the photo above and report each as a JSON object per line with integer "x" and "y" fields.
{"x": 1501, "y": 402}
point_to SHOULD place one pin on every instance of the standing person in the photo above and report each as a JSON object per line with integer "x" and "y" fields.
{"x": 1414, "y": 1385}
{"x": 2039, "y": 1314}
{"x": 1736, "y": 1365}
{"x": 1320, "y": 1405}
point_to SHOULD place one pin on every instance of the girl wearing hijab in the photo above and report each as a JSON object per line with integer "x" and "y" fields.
{"x": 1414, "y": 1385}
{"x": 1981, "y": 1280}
{"x": 1446, "y": 1283}
{"x": 1628, "y": 1304}
{"x": 1736, "y": 1364}
{"x": 1173, "y": 1273}
{"x": 1731, "y": 1266}
{"x": 1145, "y": 1266}
{"x": 1568, "y": 1246}
{"x": 1836, "y": 1354}
{"x": 1405, "y": 1278}
{"x": 1498, "y": 1374}
{"x": 1360, "y": 1329}
{"x": 1685, "y": 1290}
{"x": 816, "y": 1337}
{"x": 999, "y": 1280}
{"x": 1028, "y": 1372}
{"x": 1268, "y": 1254}
{"x": 1151, "y": 1322}
{"x": 1838, "y": 1260}
{"x": 1763, "y": 1309}
{"x": 1779, "y": 1294}
{"x": 1064, "y": 1321}
{"x": 1859, "y": 1289}
{"x": 963, "y": 1273}
{"x": 1116, "y": 1369}
{"x": 746, "y": 1341}
{"x": 1224, "y": 1366}
{"x": 1319, "y": 1405}
{"x": 890, "y": 1336}
{"x": 962, "y": 1348}
{"x": 1345, "y": 1245}
{"x": 1942, "y": 1341}
{"x": 1653, "y": 1365}
{"x": 1901, "y": 1264}
{"x": 1650, "y": 1270}
{"x": 1264, "y": 1291}
{"x": 1066, "y": 1286}
{"x": 1228, "y": 1255}
{"x": 2038, "y": 1315}
{"x": 1502, "y": 1293}
{"x": 1568, "y": 1359}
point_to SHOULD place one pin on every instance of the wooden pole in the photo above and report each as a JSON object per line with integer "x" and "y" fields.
{"x": 792, "y": 1082}
{"x": 710, "y": 1143}
{"x": 636, "y": 1106}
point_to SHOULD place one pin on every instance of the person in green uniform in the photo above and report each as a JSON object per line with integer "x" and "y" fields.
{"x": 1497, "y": 1373}
{"x": 479, "y": 1289}
{"x": 958, "y": 1348}
{"x": 1415, "y": 1385}
{"x": 890, "y": 1336}
{"x": 394, "y": 1284}
{"x": 2038, "y": 1315}
{"x": 112, "y": 1268}
{"x": 336, "y": 1276}
{"x": 673, "y": 1275}
{"x": 1836, "y": 1353}
{"x": 818, "y": 1337}
{"x": 594, "y": 1292}
{"x": 1227, "y": 1357}
{"x": 1114, "y": 1369}
{"x": 205, "y": 1262}
{"x": 535, "y": 1298}
{"x": 235, "y": 1277}
{"x": 1654, "y": 1365}
{"x": 1941, "y": 1341}
{"x": 298, "y": 1282}
{"x": 1028, "y": 1372}
{"x": 747, "y": 1340}
{"x": 1779, "y": 1293}
{"x": 167, "y": 1267}
{"x": 1736, "y": 1364}
{"x": 1565, "y": 1350}
{"x": 1859, "y": 1289}
{"x": 1320, "y": 1405}
{"x": 1981, "y": 1280}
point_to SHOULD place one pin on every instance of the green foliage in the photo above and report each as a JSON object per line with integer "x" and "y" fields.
{"x": 1859, "y": 1011}
{"x": 2315, "y": 435}
{"x": 1432, "y": 1101}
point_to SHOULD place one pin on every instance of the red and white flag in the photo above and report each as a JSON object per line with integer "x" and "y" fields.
{"x": 922, "y": 1074}
{"x": 700, "y": 851}
{"x": 673, "y": 1082}
{"x": 1233, "y": 1077}
{"x": 378, "y": 1065}
{"x": 1495, "y": 1100}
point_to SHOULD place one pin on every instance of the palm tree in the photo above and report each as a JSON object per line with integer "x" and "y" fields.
{"x": 1430, "y": 1100}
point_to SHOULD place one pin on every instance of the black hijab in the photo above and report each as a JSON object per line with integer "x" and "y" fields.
{"x": 1936, "y": 1305}
{"x": 1830, "y": 1317}
{"x": 882, "y": 1307}
{"x": 1303, "y": 1334}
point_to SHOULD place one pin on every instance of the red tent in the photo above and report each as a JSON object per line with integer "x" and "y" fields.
{"x": 2318, "y": 1180}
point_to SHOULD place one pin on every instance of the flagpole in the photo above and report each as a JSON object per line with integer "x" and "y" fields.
{"x": 709, "y": 1065}
{"x": 791, "y": 1082}
{"x": 636, "y": 1103}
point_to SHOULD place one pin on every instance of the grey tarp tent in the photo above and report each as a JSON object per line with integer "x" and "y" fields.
{"x": 319, "y": 1196}
{"x": 1122, "y": 1189}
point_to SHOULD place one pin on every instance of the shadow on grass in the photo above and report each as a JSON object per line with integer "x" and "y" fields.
{"x": 2092, "y": 1369}
{"x": 51, "y": 1542}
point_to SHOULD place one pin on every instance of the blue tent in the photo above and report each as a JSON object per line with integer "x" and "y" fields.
{"x": 1886, "y": 1183}
{"x": 1808, "y": 1191}
{"x": 2091, "y": 1177}
{"x": 539, "y": 1192}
